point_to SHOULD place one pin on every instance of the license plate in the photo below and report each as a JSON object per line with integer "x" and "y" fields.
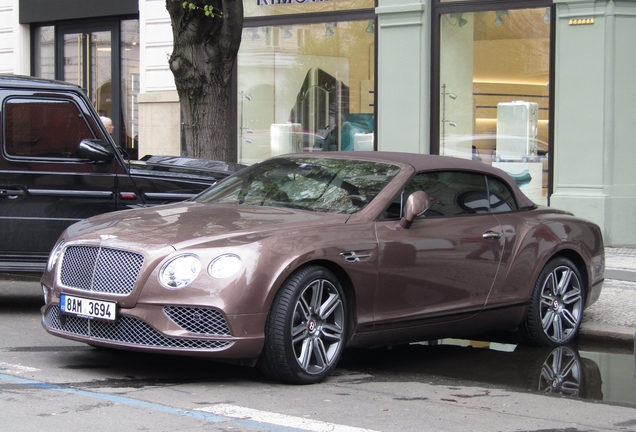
{"x": 88, "y": 308}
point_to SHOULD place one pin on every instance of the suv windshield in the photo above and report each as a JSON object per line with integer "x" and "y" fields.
{"x": 314, "y": 184}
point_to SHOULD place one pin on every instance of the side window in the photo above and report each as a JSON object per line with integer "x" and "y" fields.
{"x": 46, "y": 128}
{"x": 501, "y": 199}
{"x": 453, "y": 193}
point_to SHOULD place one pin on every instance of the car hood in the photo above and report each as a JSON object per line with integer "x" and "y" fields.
{"x": 189, "y": 224}
{"x": 170, "y": 166}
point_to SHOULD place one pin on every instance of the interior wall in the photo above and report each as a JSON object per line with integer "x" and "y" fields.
{"x": 456, "y": 66}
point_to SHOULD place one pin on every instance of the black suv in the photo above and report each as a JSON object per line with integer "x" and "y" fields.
{"x": 58, "y": 165}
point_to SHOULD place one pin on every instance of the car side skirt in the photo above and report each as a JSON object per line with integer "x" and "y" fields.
{"x": 488, "y": 318}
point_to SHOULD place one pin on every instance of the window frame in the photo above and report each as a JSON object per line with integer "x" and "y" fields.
{"x": 441, "y": 7}
{"x": 486, "y": 178}
{"x": 53, "y": 98}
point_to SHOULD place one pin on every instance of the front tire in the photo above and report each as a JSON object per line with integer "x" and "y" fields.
{"x": 305, "y": 331}
{"x": 556, "y": 308}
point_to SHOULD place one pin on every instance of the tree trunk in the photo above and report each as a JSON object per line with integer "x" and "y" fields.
{"x": 205, "y": 50}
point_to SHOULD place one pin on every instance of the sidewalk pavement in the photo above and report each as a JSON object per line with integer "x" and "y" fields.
{"x": 612, "y": 319}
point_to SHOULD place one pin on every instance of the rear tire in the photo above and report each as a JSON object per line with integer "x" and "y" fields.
{"x": 556, "y": 307}
{"x": 305, "y": 331}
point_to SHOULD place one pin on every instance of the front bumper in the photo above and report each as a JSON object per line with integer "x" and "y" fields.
{"x": 133, "y": 331}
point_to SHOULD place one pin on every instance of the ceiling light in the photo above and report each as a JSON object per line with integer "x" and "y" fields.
{"x": 546, "y": 15}
{"x": 499, "y": 17}
{"x": 329, "y": 26}
{"x": 287, "y": 31}
{"x": 460, "y": 21}
{"x": 255, "y": 35}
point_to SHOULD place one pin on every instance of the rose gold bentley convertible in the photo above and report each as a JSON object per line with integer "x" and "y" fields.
{"x": 287, "y": 262}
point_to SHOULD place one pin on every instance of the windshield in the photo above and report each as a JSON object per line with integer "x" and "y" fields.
{"x": 314, "y": 184}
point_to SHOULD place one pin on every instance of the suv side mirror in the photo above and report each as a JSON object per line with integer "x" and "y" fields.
{"x": 416, "y": 203}
{"x": 97, "y": 151}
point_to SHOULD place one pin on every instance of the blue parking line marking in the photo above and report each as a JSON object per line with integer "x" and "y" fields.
{"x": 210, "y": 418}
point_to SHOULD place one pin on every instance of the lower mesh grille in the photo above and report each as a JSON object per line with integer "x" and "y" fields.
{"x": 126, "y": 329}
{"x": 198, "y": 320}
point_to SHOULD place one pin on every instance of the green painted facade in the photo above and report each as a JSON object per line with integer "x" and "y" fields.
{"x": 594, "y": 156}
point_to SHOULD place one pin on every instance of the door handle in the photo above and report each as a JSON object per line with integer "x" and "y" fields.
{"x": 10, "y": 193}
{"x": 491, "y": 235}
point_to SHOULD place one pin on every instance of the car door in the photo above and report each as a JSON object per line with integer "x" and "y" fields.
{"x": 44, "y": 186}
{"x": 442, "y": 267}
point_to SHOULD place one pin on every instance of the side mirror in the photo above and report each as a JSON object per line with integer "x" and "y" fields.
{"x": 97, "y": 151}
{"x": 416, "y": 204}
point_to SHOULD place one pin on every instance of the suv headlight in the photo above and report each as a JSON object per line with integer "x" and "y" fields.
{"x": 180, "y": 271}
{"x": 55, "y": 255}
{"x": 224, "y": 266}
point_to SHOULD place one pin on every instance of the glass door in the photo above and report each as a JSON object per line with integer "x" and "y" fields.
{"x": 494, "y": 92}
{"x": 87, "y": 60}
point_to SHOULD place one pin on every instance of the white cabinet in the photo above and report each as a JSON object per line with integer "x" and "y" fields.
{"x": 517, "y": 129}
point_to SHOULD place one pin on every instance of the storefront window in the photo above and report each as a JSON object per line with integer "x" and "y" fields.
{"x": 494, "y": 92}
{"x": 130, "y": 85}
{"x": 304, "y": 88}
{"x": 89, "y": 54}
{"x": 258, "y": 8}
{"x": 87, "y": 62}
{"x": 44, "y": 52}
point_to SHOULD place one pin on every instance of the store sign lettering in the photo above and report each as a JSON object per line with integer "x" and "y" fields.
{"x": 277, "y": 2}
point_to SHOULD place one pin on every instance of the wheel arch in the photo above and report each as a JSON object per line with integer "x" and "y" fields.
{"x": 578, "y": 261}
{"x": 345, "y": 282}
{"x": 533, "y": 330}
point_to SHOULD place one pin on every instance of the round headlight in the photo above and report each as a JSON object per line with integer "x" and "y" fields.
{"x": 55, "y": 254}
{"x": 180, "y": 271}
{"x": 224, "y": 266}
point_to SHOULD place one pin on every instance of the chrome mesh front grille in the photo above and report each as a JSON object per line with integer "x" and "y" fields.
{"x": 198, "y": 320}
{"x": 126, "y": 329}
{"x": 100, "y": 269}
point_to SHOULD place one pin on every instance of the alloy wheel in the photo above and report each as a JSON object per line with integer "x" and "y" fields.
{"x": 317, "y": 326}
{"x": 561, "y": 304}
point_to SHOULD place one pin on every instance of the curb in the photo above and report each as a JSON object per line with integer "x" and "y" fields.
{"x": 620, "y": 274}
{"x": 607, "y": 333}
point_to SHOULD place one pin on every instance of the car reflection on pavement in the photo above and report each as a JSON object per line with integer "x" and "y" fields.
{"x": 559, "y": 370}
